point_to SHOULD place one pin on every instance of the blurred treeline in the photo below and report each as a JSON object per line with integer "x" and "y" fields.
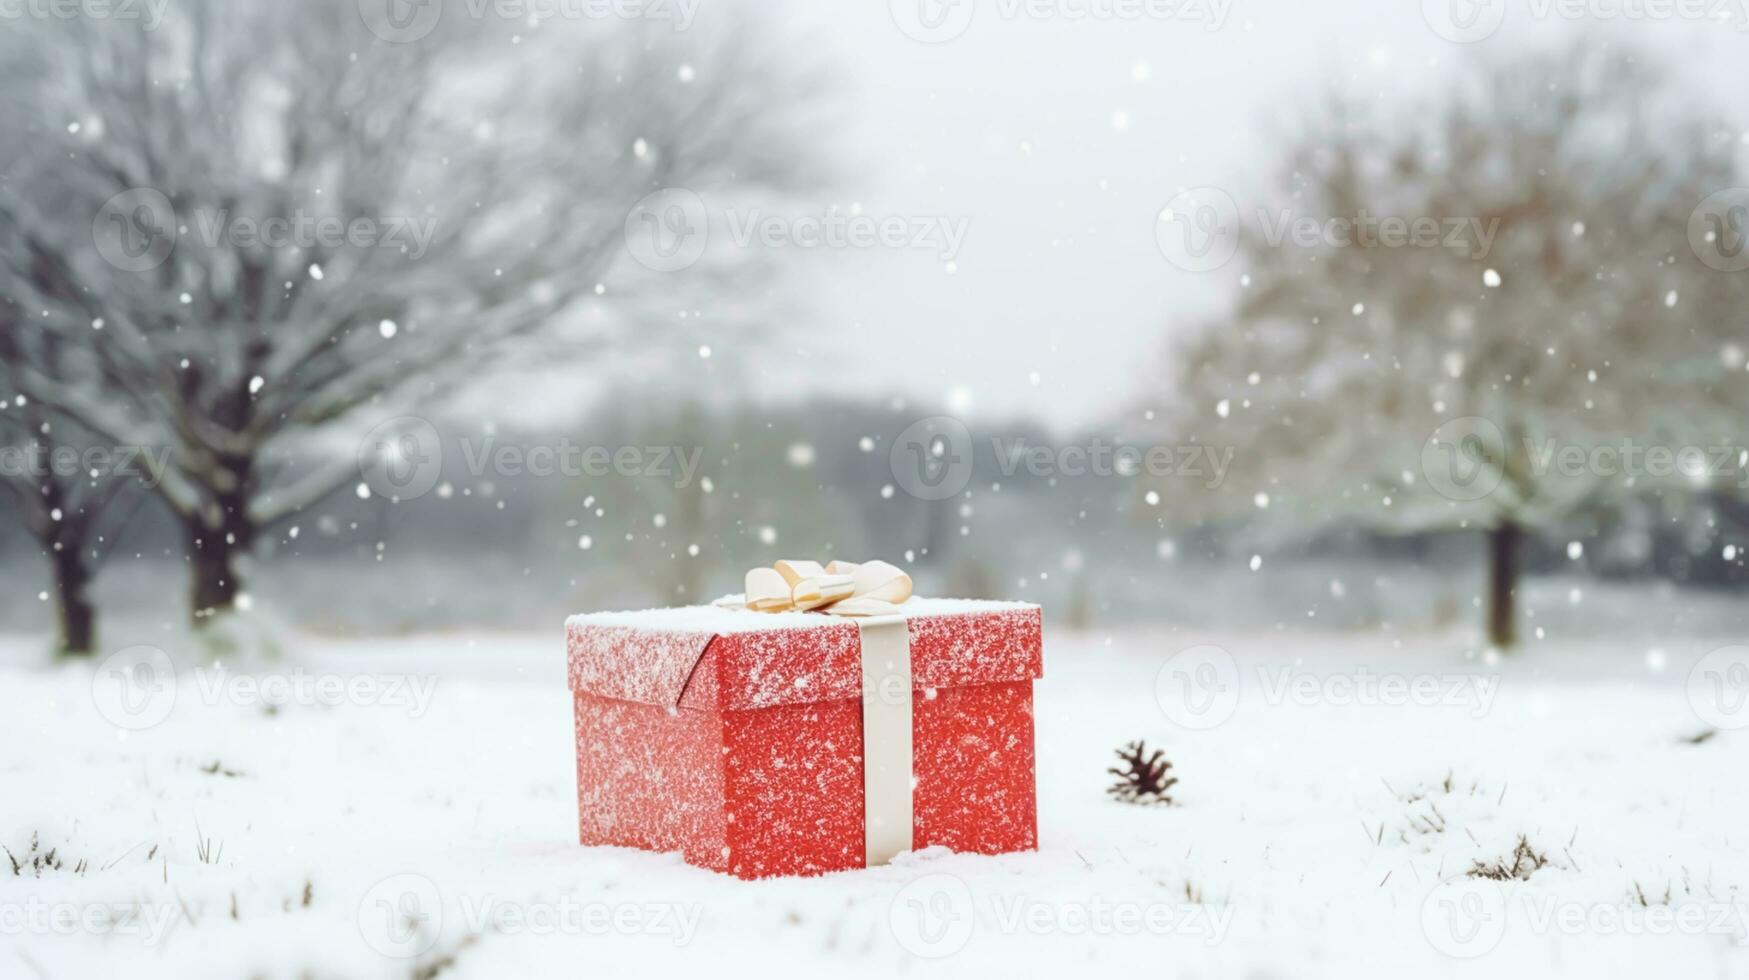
{"x": 501, "y": 547}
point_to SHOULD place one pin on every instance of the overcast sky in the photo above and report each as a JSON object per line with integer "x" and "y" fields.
{"x": 1053, "y": 143}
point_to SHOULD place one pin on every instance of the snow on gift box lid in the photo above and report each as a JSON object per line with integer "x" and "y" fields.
{"x": 762, "y": 660}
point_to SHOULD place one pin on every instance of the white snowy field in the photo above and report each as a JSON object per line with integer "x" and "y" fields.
{"x": 405, "y": 808}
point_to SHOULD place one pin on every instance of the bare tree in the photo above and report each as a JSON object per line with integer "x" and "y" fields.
{"x": 70, "y": 499}
{"x": 262, "y": 220}
{"x": 1551, "y": 302}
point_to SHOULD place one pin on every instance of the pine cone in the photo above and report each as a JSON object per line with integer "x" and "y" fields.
{"x": 1143, "y": 779}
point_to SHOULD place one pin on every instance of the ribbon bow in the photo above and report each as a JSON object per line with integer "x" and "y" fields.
{"x": 841, "y": 588}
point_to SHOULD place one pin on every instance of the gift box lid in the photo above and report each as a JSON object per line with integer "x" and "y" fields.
{"x": 761, "y": 660}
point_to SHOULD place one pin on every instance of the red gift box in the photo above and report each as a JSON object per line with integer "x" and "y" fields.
{"x": 737, "y": 738}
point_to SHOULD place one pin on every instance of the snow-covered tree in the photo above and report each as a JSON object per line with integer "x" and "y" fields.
{"x": 71, "y": 500}
{"x": 261, "y": 220}
{"x": 1559, "y": 307}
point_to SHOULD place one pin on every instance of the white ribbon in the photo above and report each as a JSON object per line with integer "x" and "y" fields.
{"x": 872, "y": 591}
{"x": 887, "y": 758}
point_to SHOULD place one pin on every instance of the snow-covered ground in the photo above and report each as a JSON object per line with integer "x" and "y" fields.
{"x": 406, "y": 807}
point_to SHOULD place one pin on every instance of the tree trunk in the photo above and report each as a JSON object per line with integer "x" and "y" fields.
{"x": 1503, "y": 584}
{"x": 76, "y": 617}
{"x": 212, "y": 557}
